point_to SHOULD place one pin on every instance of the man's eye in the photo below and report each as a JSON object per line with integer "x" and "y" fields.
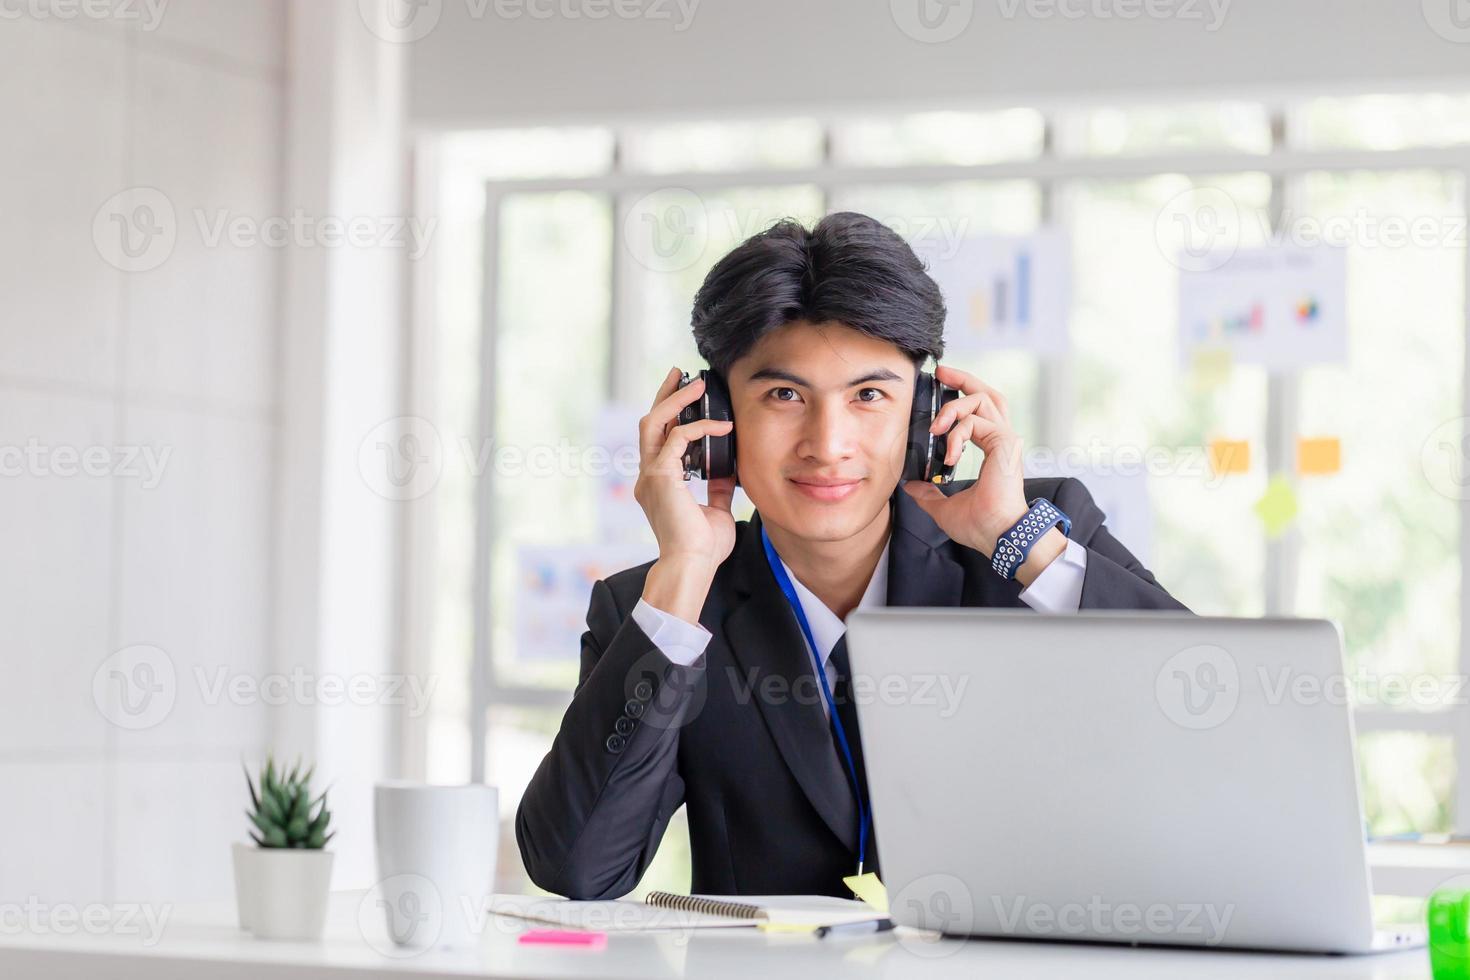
{"x": 780, "y": 394}
{"x": 877, "y": 393}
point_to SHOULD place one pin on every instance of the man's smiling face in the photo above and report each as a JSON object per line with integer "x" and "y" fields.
{"x": 821, "y": 424}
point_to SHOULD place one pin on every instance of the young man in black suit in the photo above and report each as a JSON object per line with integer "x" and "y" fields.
{"x": 697, "y": 672}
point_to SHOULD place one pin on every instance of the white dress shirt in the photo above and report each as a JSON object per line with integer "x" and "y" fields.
{"x": 1058, "y": 589}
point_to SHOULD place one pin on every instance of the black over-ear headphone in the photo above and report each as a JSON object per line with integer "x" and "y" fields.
{"x": 713, "y": 457}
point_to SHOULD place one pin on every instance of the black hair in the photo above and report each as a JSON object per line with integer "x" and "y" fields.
{"x": 850, "y": 268}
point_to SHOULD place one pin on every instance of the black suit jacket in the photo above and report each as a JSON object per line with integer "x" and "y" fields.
{"x": 771, "y": 809}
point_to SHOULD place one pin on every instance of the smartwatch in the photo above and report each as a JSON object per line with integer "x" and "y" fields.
{"x": 1012, "y": 547}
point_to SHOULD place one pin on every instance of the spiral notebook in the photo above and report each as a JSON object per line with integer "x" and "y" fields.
{"x": 664, "y": 910}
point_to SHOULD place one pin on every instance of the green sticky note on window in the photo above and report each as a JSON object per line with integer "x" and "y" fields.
{"x": 1212, "y": 366}
{"x": 1277, "y": 506}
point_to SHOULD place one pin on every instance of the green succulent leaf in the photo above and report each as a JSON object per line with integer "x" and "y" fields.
{"x": 254, "y": 799}
{"x": 270, "y": 806}
{"x": 300, "y": 804}
{"x": 261, "y": 822}
{"x": 284, "y": 811}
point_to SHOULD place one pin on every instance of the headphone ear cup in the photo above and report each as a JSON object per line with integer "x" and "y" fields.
{"x": 921, "y": 416}
{"x": 924, "y": 455}
{"x": 720, "y": 459}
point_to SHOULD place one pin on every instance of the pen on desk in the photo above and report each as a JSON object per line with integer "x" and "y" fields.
{"x": 853, "y": 928}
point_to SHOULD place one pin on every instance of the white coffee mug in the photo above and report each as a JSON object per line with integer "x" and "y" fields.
{"x": 437, "y": 848}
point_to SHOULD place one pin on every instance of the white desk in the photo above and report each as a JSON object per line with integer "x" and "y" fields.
{"x": 202, "y": 943}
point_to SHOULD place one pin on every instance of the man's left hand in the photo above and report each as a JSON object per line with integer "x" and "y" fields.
{"x": 978, "y": 515}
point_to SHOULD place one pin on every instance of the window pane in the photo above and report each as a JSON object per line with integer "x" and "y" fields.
{"x": 516, "y": 741}
{"x": 949, "y": 210}
{"x": 450, "y": 537}
{"x": 550, "y": 380}
{"x": 1408, "y": 781}
{"x": 957, "y": 138}
{"x": 1384, "y": 122}
{"x": 1239, "y": 126}
{"x": 1131, "y": 395}
{"x": 693, "y": 147}
{"x": 504, "y": 154}
{"x": 1380, "y": 538}
{"x": 937, "y": 214}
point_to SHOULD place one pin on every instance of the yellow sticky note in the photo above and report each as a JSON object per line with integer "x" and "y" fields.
{"x": 868, "y": 888}
{"x": 1277, "y": 506}
{"x": 1212, "y": 366}
{"x": 785, "y": 927}
{"x": 1318, "y": 457}
{"x": 1229, "y": 456}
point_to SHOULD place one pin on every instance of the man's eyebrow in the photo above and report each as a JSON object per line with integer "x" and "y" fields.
{"x": 778, "y": 374}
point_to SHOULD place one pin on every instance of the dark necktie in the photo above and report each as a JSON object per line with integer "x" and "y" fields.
{"x": 839, "y": 671}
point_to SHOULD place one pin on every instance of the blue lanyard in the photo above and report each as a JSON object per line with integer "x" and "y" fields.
{"x": 789, "y": 591}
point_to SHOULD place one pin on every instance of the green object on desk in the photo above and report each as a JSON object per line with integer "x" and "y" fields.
{"x": 1449, "y": 934}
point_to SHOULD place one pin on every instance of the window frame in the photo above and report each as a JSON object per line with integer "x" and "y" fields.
{"x": 1285, "y": 164}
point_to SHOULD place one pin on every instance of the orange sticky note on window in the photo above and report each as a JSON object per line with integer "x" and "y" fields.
{"x": 1229, "y": 456}
{"x": 1318, "y": 456}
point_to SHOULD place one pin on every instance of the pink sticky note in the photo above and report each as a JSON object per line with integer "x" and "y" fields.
{"x": 564, "y": 937}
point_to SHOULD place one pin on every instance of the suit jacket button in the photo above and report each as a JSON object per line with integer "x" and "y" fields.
{"x": 633, "y": 709}
{"x": 643, "y": 690}
{"x": 615, "y": 743}
{"x": 624, "y": 726}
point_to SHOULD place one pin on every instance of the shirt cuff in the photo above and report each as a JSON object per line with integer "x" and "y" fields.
{"x": 1058, "y": 589}
{"x": 682, "y": 642}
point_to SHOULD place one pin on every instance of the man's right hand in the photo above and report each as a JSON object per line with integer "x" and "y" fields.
{"x": 693, "y": 538}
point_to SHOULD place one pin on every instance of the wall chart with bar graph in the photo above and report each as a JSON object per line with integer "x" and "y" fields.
{"x": 1281, "y": 306}
{"x": 1004, "y": 292}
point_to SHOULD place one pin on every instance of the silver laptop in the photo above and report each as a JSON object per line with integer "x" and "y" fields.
{"x": 1116, "y": 776}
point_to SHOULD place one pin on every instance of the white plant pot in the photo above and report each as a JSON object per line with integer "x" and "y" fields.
{"x": 281, "y": 893}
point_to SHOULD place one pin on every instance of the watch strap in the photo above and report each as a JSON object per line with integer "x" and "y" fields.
{"x": 1012, "y": 547}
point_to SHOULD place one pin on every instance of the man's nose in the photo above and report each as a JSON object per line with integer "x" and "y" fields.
{"x": 831, "y": 432}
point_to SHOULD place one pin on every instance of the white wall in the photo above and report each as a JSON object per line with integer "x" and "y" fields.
{"x": 474, "y": 66}
{"x": 179, "y": 359}
{"x": 148, "y": 614}
{"x": 341, "y": 382}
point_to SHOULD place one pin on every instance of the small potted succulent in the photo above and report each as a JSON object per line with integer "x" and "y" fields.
{"x": 282, "y": 880}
